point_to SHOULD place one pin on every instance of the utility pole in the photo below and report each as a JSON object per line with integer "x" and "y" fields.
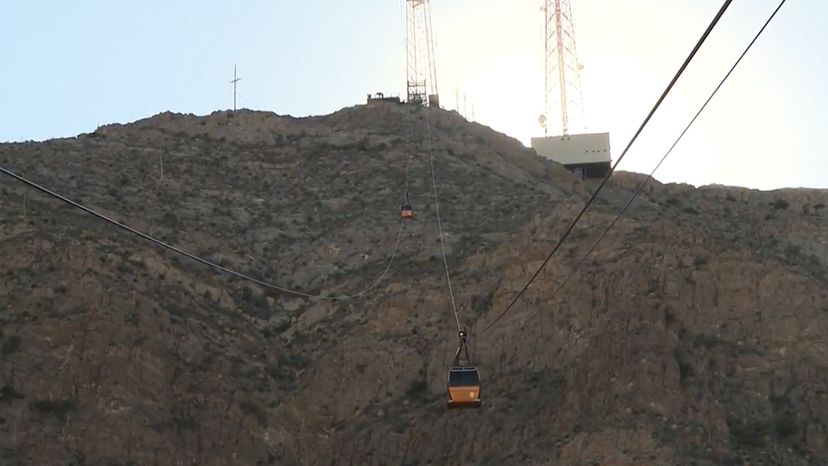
{"x": 234, "y": 82}
{"x": 161, "y": 164}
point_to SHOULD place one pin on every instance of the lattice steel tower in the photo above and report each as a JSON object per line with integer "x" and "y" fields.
{"x": 419, "y": 44}
{"x": 563, "y": 95}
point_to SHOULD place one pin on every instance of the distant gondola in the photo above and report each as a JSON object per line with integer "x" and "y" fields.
{"x": 406, "y": 212}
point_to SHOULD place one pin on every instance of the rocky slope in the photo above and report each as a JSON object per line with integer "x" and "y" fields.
{"x": 694, "y": 334}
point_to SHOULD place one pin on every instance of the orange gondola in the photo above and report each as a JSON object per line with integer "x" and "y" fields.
{"x": 463, "y": 379}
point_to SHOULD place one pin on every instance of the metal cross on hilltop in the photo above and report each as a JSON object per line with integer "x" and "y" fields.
{"x": 233, "y": 82}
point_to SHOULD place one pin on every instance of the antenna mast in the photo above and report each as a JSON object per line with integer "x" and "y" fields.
{"x": 562, "y": 70}
{"x": 421, "y": 75}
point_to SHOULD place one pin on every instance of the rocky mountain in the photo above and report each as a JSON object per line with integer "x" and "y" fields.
{"x": 695, "y": 334}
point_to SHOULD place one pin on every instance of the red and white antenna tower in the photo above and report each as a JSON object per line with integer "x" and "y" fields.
{"x": 562, "y": 81}
{"x": 419, "y": 44}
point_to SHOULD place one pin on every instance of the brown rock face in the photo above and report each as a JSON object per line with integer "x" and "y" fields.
{"x": 694, "y": 334}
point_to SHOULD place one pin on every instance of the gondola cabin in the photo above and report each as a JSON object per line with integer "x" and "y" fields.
{"x": 407, "y": 212}
{"x": 463, "y": 387}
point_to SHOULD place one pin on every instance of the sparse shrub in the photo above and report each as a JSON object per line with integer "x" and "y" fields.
{"x": 133, "y": 318}
{"x": 708, "y": 341}
{"x": 9, "y": 394}
{"x": 686, "y": 369}
{"x": 780, "y": 204}
{"x": 418, "y": 387}
{"x": 169, "y": 219}
{"x": 750, "y": 432}
{"x": 60, "y": 408}
{"x": 269, "y": 332}
{"x": 786, "y": 424}
{"x": 77, "y": 459}
{"x": 482, "y": 303}
{"x": 815, "y": 267}
{"x": 10, "y": 345}
{"x": 252, "y": 409}
{"x": 260, "y": 301}
{"x": 183, "y": 420}
{"x": 792, "y": 250}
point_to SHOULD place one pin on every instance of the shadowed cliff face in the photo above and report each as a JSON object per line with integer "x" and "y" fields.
{"x": 694, "y": 334}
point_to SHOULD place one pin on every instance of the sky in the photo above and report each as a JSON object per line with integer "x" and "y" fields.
{"x": 68, "y": 67}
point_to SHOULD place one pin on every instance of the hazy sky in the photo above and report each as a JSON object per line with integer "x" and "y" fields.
{"x": 70, "y": 66}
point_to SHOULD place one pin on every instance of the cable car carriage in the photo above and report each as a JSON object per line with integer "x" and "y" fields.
{"x": 406, "y": 212}
{"x": 463, "y": 379}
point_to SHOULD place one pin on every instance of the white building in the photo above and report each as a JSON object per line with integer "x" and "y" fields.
{"x": 585, "y": 154}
